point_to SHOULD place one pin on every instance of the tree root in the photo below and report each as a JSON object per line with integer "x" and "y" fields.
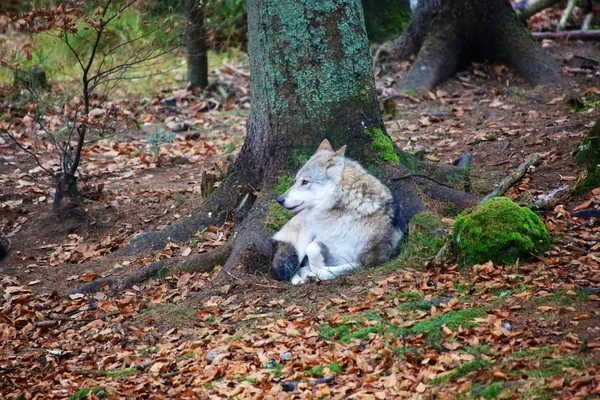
{"x": 514, "y": 176}
{"x": 203, "y": 262}
{"x": 553, "y": 197}
{"x": 485, "y": 30}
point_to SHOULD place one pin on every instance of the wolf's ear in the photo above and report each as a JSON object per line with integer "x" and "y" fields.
{"x": 325, "y": 146}
{"x": 340, "y": 152}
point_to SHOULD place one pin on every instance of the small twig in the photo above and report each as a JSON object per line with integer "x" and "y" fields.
{"x": 497, "y": 164}
{"x": 514, "y": 176}
{"x": 37, "y": 160}
{"x": 421, "y": 176}
{"x": 591, "y": 60}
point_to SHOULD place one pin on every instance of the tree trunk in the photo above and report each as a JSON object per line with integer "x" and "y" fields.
{"x": 449, "y": 34}
{"x": 197, "y": 74}
{"x": 311, "y": 79}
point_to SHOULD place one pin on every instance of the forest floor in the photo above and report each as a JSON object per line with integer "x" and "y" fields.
{"x": 530, "y": 330}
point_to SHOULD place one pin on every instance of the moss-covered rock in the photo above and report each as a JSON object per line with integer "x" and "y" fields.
{"x": 499, "y": 230}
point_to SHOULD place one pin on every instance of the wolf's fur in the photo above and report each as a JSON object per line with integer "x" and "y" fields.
{"x": 345, "y": 219}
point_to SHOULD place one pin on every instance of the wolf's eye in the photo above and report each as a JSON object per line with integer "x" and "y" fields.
{"x": 304, "y": 182}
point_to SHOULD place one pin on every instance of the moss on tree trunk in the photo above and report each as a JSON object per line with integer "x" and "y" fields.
{"x": 449, "y": 34}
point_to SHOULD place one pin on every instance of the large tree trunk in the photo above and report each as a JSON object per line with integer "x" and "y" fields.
{"x": 197, "y": 73}
{"x": 449, "y": 34}
{"x": 311, "y": 79}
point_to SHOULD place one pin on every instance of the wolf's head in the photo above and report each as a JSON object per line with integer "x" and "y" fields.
{"x": 316, "y": 181}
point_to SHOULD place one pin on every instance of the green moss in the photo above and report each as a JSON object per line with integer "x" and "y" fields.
{"x": 276, "y": 218}
{"x": 84, "y": 393}
{"x": 461, "y": 371}
{"x": 499, "y": 230}
{"x": 121, "y": 372}
{"x": 409, "y": 92}
{"x": 430, "y": 328}
{"x": 283, "y": 184}
{"x": 408, "y": 296}
{"x": 424, "y": 241}
{"x": 382, "y": 144}
{"x": 487, "y": 391}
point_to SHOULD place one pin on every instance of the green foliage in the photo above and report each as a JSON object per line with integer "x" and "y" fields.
{"x": 276, "y": 218}
{"x": 461, "y": 371}
{"x": 84, "y": 393}
{"x": 408, "y": 296}
{"x": 555, "y": 366}
{"x": 226, "y": 23}
{"x": 587, "y": 155}
{"x": 385, "y": 20}
{"x": 499, "y": 230}
{"x": 382, "y": 144}
{"x": 156, "y": 139}
{"x": 424, "y": 241}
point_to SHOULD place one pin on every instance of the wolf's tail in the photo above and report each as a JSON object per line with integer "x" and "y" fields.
{"x": 285, "y": 262}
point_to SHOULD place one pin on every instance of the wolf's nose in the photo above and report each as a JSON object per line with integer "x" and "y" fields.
{"x": 281, "y": 200}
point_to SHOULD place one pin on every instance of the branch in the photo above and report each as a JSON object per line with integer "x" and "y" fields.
{"x": 568, "y": 35}
{"x": 421, "y": 176}
{"x": 37, "y": 160}
{"x": 514, "y": 176}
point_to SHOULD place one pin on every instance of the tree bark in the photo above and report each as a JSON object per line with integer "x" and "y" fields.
{"x": 450, "y": 34}
{"x": 311, "y": 79}
{"x": 197, "y": 73}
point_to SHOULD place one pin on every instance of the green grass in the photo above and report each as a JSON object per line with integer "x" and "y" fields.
{"x": 556, "y": 366}
{"x": 430, "y": 328}
{"x": 162, "y": 273}
{"x": 335, "y": 367}
{"x": 283, "y": 184}
{"x": 423, "y": 243}
{"x": 486, "y": 391}
{"x": 407, "y": 296}
{"x": 82, "y": 394}
{"x": 276, "y": 218}
{"x": 562, "y": 298}
{"x": 462, "y": 371}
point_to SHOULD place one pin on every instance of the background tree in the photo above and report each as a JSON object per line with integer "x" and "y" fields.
{"x": 449, "y": 34}
{"x": 103, "y": 48}
{"x": 197, "y": 61}
{"x": 311, "y": 78}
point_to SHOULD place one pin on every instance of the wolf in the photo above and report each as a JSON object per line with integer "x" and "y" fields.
{"x": 345, "y": 219}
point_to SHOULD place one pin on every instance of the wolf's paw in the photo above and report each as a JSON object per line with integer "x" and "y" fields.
{"x": 303, "y": 276}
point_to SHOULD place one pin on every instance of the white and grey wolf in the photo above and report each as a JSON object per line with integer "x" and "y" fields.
{"x": 345, "y": 219}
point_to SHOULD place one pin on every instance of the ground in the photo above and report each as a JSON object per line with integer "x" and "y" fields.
{"x": 426, "y": 330}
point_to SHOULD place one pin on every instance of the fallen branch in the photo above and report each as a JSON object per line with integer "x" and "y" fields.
{"x": 553, "y": 197}
{"x": 567, "y": 35}
{"x": 514, "y": 176}
{"x": 566, "y": 14}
